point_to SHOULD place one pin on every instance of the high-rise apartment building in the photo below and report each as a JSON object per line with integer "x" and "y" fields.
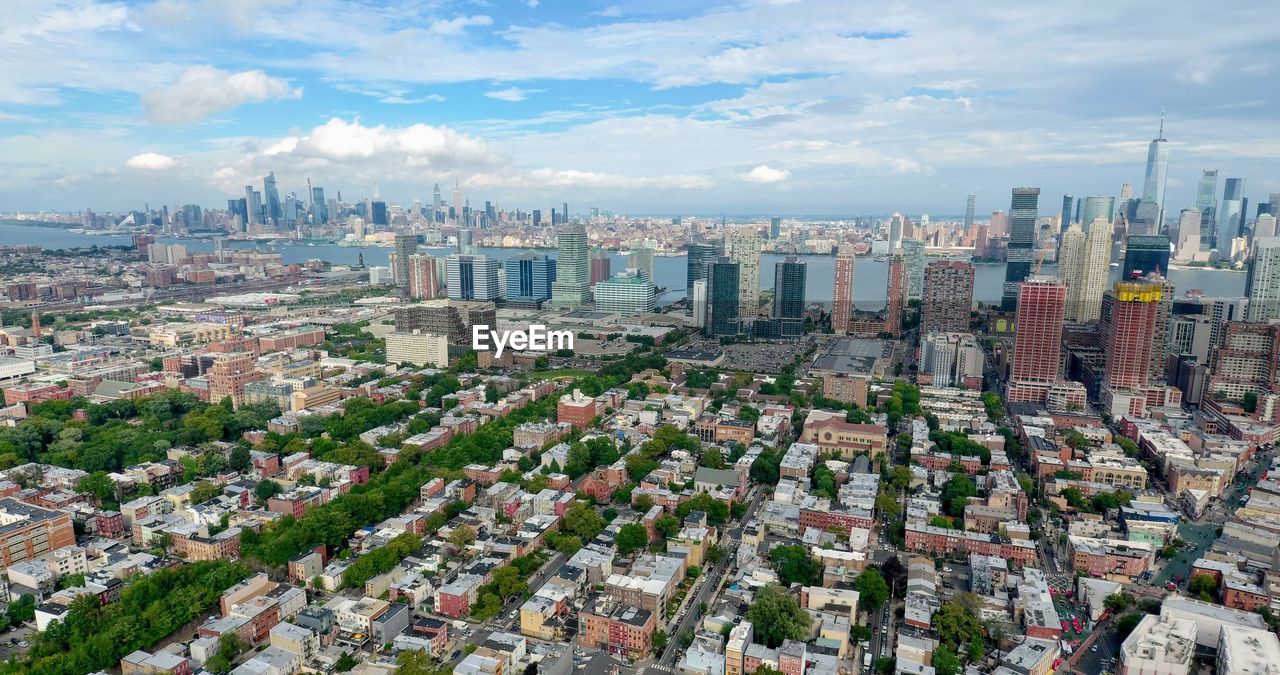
{"x": 789, "y": 295}
{"x": 465, "y": 237}
{"x": 775, "y": 228}
{"x": 951, "y": 360}
{"x": 1071, "y": 267}
{"x": 1037, "y": 340}
{"x": 572, "y": 287}
{"x": 626, "y": 293}
{"x": 948, "y": 297}
{"x": 253, "y": 203}
{"x": 700, "y": 253}
{"x": 913, "y": 258}
{"x": 895, "y": 231}
{"x": 601, "y": 266}
{"x": 698, "y": 302}
{"x": 1207, "y": 203}
{"x": 1145, "y": 254}
{"x": 1095, "y": 271}
{"x": 970, "y": 205}
{"x": 1134, "y": 305}
{"x": 842, "y": 291}
{"x": 896, "y": 296}
{"x": 424, "y": 279}
{"x": 641, "y": 259}
{"x": 1244, "y": 362}
{"x": 406, "y": 246}
{"x": 1189, "y": 232}
{"x": 450, "y": 318}
{"x": 1023, "y": 210}
{"x": 471, "y": 277}
{"x": 1262, "y": 285}
{"x": 999, "y": 225}
{"x": 229, "y": 374}
{"x": 530, "y": 276}
{"x": 746, "y": 252}
{"x": 1160, "y": 335}
{"x": 722, "y": 297}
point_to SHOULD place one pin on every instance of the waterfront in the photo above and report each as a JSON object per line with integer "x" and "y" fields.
{"x": 870, "y": 276}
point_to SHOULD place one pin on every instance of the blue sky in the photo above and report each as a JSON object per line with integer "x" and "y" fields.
{"x": 767, "y": 106}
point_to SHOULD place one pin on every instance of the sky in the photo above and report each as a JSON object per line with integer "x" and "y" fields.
{"x": 786, "y": 107}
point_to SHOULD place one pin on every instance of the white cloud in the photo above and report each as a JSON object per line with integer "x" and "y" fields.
{"x": 201, "y": 91}
{"x": 512, "y": 94}
{"x": 532, "y": 4}
{"x": 767, "y": 174}
{"x": 573, "y": 178}
{"x": 151, "y": 161}
{"x": 458, "y": 25}
{"x": 610, "y": 12}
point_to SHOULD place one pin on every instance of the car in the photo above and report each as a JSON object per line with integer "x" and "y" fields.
{"x": 23, "y": 644}
{"x": 946, "y": 569}
{"x": 1064, "y": 625}
{"x": 1093, "y": 648}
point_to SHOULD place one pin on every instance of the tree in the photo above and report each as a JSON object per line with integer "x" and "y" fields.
{"x": 955, "y": 625}
{"x": 716, "y": 510}
{"x": 462, "y": 536}
{"x": 900, "y": 477}
{"x": 977, "y": 650}
{"x": 956, "y": 493}
{"x": 945, "y": 661}
{"x": 631, "y": 537}
{"x": 1126, "y": 624}
{"x": 659, "y": 641}
{"x": 794, "y": 565}
{"x": 582, "y": 520}
{"x": 1203, "y": 585}
{"x": 872, "y": 590}
{"x": 715, "y": 554}
{"x": 509, "y": 582}
{"x": 1249, "y": 401}
{"x": 344, "y": 663}
{"x": 668, "y": 526}
{"x": 203, "y": 491}
{"x": 266, "y": 489}
{"x": 777, "y": 617}
{"x": 1118, "y": 602}
{"x": 887, "y": 505}
{"x": 712, "y": 459}
{"x": 241, "y": 460}
{"x": 97, "y": 484}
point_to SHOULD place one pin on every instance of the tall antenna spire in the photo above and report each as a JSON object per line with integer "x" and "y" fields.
{"x": 1161, "y": 135}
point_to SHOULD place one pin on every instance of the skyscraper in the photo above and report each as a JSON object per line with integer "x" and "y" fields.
{"x": 274, "y": 212}
{"x": 746, "y": 252}
{"x": 601, "y": 265}
{"x": 1071, "y": 268}
{"x": 529, "y": 278}
{"x": 1134, "y": 305}
{"x": 948, "y": 297}
{"x": 572, "y": 288}
{"x": 896, "y": 297}
{"x": 406, "y": 245}
{"x": 424, "y": 281}
{"x": 895, "y": 231}
{"x": 1231, "y": 213}
{"x": 1097, "y": 206}
{"x": 970, "y": 205}
{"x": 1160, "y": 333}
{"x": 788, "y": 295}
{"x": 1023, "y": 210}
{"x": 1189, "y": 230}
{"x": 1207, "y": 203}
{"x": 775, "y": 227}
{"x": 698, "y": 301}
{"x": 913, "y": 258}
{"x": 641, "y": 258}
{"x": 626, "y": 293}
{"x": 253, "y": 204}
{"x": 1095, "y": 270}
{"x": 700, "y": 253}
{"x": 1145, "y": 254}
{"x": 1064, "y": 218}
{"x": 319, "y": 208}
{"x": 842, "y": 291}
{"x": 379, "y": 214}
{"x": 1037, "y": 342}
{"x": 1262, "y": 285}
{"x": 472, "y": 277}
{"x": 1157, "y": 173}
{"x": 722, "y": 297}
{"x": 465, "y": 237}
{"x": 437, "y": 205}
{"x": 999, "y": 224}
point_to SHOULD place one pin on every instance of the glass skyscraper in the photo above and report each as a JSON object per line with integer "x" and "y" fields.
{"x": 1145, "y": 254}
{"x": 471, "y": 277}
{"x": 700, "y": 253}
{"x": 1023, "y": 210}
{"x": 788, "y": 295}
{"x": 722, "y": 297}
{"x": 1207, "y": 202}
{"x": 272, "y": 195}
{"x": 529, "y": 277}
{"x": 572, "y": 287}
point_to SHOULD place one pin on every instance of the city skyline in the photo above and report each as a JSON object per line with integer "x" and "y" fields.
{"x": 106, "y": 109}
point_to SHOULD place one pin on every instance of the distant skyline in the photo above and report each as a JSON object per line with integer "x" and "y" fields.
{"x": 767, "y": 107}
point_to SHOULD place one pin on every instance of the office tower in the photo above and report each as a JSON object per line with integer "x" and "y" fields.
{"x": 981, "y": 240}
{"x": 775, "y": 227}
{"x": 722, "y": 297}
{"x": 1157, "y": 173}
{"x": 424, "y": 281}
{"x": 537, "y": 218}
{"x": 564, "y": 211}
{"x": 437, "y": 204}
{"x": 274, "y": 212}
{"x": 529, "y": 278}
{"x": 1264, "y": 226}
{"x": 1145, "y": 254}
{"x": 895, "y": 231}
{"x": 379, "y": 214}
{"x": 1071, "y": 268}
{"x": 970, "y": 205}
{"x": 1273, "y": 204}
{"x": 406, "y": 245}
{"x": 842, "y": 291}
{"x": 948, "y": 297}
{"x": 471, "y": 277}
{"x": 1160, "y": 334}
{"x": 191, "y": 217}
{"x": 1095, "y": 269}
{"x": 601, "y": 268}
{"x": 319, "y": 208}
{"x": 896, "y": 296}
{"x": 1230, "y": 213}
{"x": 999, "y": 224}
{"x": 252, "y": 205}
{"x": 1190, "y": 334}
{"x": 465, "y": 238}
{"x": 626, "y": 293}
{"x": 1037, "y": 341}
{"x": 698, "y": 301}
{"x": 746, "y": 252}
{"x": 1022, "y": 238}
{"x": 913, "y": 258}
{"x": 1207, "y": 203}
{"x": 1097, "y": 206}
{"x": 1189, "y": 229}
{"x": 788, "y": 295}
{"x": 1262, "y": 285}
{"x": 641, "y": 258}
{"x": 1064, "y": 218}
{"x": 457, "y": 200}
{"x": 358, "y": 229}
{"x": 290, "y": 213}
{"x": 1134, "y": 305}
{"x": 572, "y": 287}
{"x": 238, "y": 209}
{"x": 700, "y": 253}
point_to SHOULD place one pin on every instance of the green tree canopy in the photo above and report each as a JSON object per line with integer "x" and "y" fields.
{"x": 777, "y": 617}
